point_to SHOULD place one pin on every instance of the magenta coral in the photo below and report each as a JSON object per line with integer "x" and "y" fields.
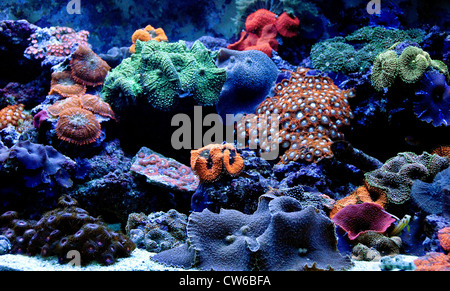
{"x": 361, "y": 218}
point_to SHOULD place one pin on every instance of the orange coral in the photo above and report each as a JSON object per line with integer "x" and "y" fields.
{"x": 360, "y": 195}
{"x": 78, "y": 126}
{"x": 209, "y": 162}
{"x": 433, "y": 262}
{"x": 444, "y": 238}
{"x": 14, "y": 115}
{"x": 63, "y": 84}
{"x": 87, "y": 67}
{"x": 443, "y": 151}
{"x": 146, "y": 34}
{"x": 59, "y": 106}
{"x": 95, "y": 104}
{"x": 310, "y": 109}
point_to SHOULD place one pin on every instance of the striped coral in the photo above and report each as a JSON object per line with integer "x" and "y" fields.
{"x": 77, "y": 126}
{"x": 87, "y": 67}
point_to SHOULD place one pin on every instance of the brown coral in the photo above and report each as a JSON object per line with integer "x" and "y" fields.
{"x": 87, "y": 67}
{"x": 443, "y": 151}
{"x": 14, "y": 115}
{"x": 63, "y": 84}
{"x": 78, "y": 126}
{"x": 444, "y": 238}
{"x": 433, "y": 262}
{"x": 61, "y": 105}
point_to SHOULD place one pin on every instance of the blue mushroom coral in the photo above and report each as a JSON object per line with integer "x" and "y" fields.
{"x": 250, "y": 76}
{"x": 434, "y": 104}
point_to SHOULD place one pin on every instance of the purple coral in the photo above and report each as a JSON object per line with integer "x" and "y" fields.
{"x": 434, "y": 105}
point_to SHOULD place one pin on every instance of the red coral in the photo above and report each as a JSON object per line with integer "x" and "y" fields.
{"x": 433, "y": 262}
{"x": 261, "y": 28}
{"x": 78, "y": 126}
{"x": 361, "y": 218}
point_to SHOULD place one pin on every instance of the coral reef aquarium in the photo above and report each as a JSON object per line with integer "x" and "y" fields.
{"x": 226, "y": 135}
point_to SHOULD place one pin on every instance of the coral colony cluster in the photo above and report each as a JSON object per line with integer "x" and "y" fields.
{"x": 337, "y": 150}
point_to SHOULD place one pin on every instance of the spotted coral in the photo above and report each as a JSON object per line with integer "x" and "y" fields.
{"x": 146, "y": 34}
{"x": 311, "y": 111}
{"x": 162, "y": 171}
{"x": 54, "y": 41}
{"x": 87, "y": 67}
{"x": 78, "y": 126}
{"x": 213, "y": 160}
{"x": 15, "y": 116}
{"x": 434, "y": 103}
{"x": 64, "y": 84}
{"x": 396, "y": 177}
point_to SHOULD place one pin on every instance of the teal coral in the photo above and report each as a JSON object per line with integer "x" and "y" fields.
{"x": 357, "y": 51}
{"x": 160, "y": 72}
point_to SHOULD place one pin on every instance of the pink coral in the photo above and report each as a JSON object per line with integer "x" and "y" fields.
{"x": 361, "y": 218}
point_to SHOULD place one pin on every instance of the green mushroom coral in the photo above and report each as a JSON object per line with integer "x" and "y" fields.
{"x": 384, "y": 69}
{"x": 413, "y": 62}
{"x": 160, "y": 73}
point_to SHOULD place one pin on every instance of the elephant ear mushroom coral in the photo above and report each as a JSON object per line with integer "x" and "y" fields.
{"x": 385, "y": 69}
{"x": 360, "y": 218}
{"x": 87, "y": 67}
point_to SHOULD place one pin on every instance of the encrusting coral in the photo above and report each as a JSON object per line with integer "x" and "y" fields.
{"x": 279, "y": 235}
{"x": 213, "y": 160}
{"x": 64, "y": 229}
{"x": 311, "y": 109}
{"x": 164, "y": 171}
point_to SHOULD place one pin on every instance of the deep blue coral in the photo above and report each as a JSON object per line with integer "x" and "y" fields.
{"x": 434, "y": 104}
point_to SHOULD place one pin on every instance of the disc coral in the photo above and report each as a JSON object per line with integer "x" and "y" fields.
{"x": 78, "y": 126}
{"x": 64, "y": 84}
{"x": 384, "y": 69}
{"x": 209, "y": 162}
{"x": 412, "y": 64}
{"x": 87, "y": 67}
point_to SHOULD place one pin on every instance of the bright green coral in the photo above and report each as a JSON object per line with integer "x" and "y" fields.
{"x": 384, "y": 69}
{"x": 159, "y": 72}
{"x": 412, "y": 64}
